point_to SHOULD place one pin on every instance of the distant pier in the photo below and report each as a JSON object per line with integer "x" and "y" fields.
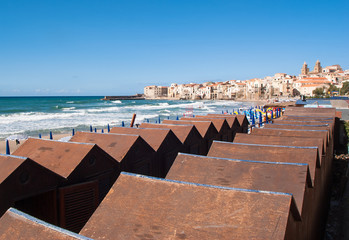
{"x": 132, "y": 97}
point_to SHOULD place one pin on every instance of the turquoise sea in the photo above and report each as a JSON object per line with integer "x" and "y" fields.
{"x": 29, "y": 116}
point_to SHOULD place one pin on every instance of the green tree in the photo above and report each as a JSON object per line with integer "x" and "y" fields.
{"x": 318, "y": 92}
{"x": 345, "y": 88}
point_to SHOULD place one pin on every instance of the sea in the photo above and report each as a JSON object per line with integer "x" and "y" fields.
{"x": 21, "y": 117}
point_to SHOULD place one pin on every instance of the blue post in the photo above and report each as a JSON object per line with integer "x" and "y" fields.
{"x": 147, "y": 120}
{"x": 108, "y": 127}
{"x": 260, "y": 119}
{"x": 39, "y": 135}
{"x": 238, "y": 112}
{"x": 102, "y": 130}
{"x": 51, "y": 135}
{"x": 73, "y": 132}
{"x": 253, "y": 121}
{"x": 156, "y": 121}
{"x": 95, "y": 129}
{"x": 90, "y": 128}
{"x": 222, "y": 112}
{"x": 168, "y": 117}
{"x": 159, "y": 120}
{"x": 177, "y": 118}
{"x": 122, "y": 124}
{"x": 7, "y": 148}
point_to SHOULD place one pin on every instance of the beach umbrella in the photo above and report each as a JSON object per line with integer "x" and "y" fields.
{"x": 39, "y": 135}
{"x": 73, "y": 132}
{"x": 51, "y": 135}
{"x": 122, "y": 124}
{"x": 253, "y": 120}
{"x": 260, "y": 119}
{"x": 272, "y": 114}
{"x": 238, "y": 112}
{"x": 108, "y": 127}
{"x": 90, "y": 128}
{"x": 7, "y": 148}
{"x": 102, "y": 130}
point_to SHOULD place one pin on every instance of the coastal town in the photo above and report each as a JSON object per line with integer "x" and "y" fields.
{"x": 320, "y": 81}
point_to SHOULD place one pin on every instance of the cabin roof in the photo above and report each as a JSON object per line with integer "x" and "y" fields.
{"x": 59, "y": 157}
{"x": 140, "y": 206}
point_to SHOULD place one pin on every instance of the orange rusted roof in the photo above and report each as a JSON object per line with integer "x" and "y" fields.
{"x": 268, "y": 176}
{"x": 116, "y": 145}
{"x": 144, "y": 207}
{"x": 259, "y": 152}
{"x": 8, "y": 164}
{"x": 181, "y": 131}
{"x": 15, "y": 224}
{"x": 231, "y": 119}
{"x": 217, "y": 122}
{"x": 154, "y": 137}
{"x": 59, "y": 157}
{"x": 201, "y": 126}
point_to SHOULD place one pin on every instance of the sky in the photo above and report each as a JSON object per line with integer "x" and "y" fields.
{"x": 117, "y": 47}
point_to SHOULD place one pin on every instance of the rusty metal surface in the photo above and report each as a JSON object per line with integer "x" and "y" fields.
{"x": 277, "y": 177}
{"x": 242, "y": 120}
{"x": 292, "y": 133}
{"x": 202, "y": 126}
{"x": 330, "y": 121}
{"x": 231, "y": 119}
{"x": 282, "y": 140}
{"x": 299, "y": 127}
{"x": 18, "y": 225}
{"x": 153, "y": 136}
{"x": 8, "y": 164}
{"x": 181, "y": 131}
{"x": 259, "y": 152}
{"x": 147, "y": 208}
{"x": 116, "y": 145}
{"x": 308, "y": 124}
{"x": 59, "y": 157}
{"x": 295, "y": 110}
{"x": 220, "y": 123}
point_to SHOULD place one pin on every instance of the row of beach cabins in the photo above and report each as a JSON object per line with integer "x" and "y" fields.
{"x": 199, "y": 177}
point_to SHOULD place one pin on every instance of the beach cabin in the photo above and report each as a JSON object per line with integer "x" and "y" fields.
{"x": 267, "y": 176}
{"x": 287, "y": 154}
{"x": 243, "y": 123}
{"x": 231, "y": 120}
{"x": 89, "y": 174}
{"x": 206, "y": 129}
{"x": 221, "y": 125}
{"x": 17, "y": 225}
{"x": 131, "y": 152}
{"x": 163, "y": 141}
{"x": 319, "y": 112}
{"x": 186, "y": 133}
{"x": 140, "y": 207}
{"x": 21, "y": 178}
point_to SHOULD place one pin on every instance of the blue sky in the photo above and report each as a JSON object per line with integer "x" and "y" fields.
{"x": 75, "y": 47}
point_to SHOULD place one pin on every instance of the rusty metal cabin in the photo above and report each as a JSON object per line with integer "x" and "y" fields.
{"x": 131, "y": 151}
{"x": 206, "y": 129}
{"x": 243, "y": 123}
{"x": 306, "y": 123}
{"x": 291, "y": 154}
{"x": 231, "y": 120}
{"x": 326, "y": 112}
{"x": 291, "y": 178}
{"x": 89, "y": 174}
{"x": 163, "y": 141}
{"x": 143, "y": 207}
{"x": 21, "y": 178}
{"x": 221, "y": 125}
{"x": 186, "y": 133}
{"x": 16, "y": 225}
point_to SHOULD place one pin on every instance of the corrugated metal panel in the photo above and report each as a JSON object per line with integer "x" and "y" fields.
{"x": 164, "y": 209}
{"x": 243, "y": 123}
{"x": 77, "y": 203}
{"x": 202, "y": 126}
{"x": 15, "y": 224}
